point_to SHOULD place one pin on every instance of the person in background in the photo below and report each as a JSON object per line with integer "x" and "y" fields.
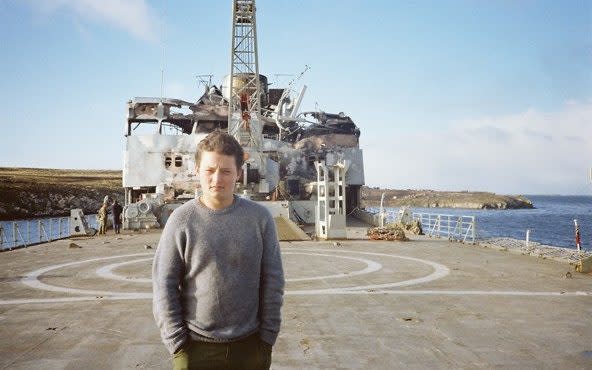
{"x": 116, "y": 209}
{"x": 217, "y": 274}
{"x": 102, "y": 219}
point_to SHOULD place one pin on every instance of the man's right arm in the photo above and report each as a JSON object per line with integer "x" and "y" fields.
{"x": 167, "y": 275}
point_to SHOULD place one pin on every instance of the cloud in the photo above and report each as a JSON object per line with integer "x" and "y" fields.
{"x": 489, "y": 132}
{"x": 530, "y": 152}
{"x": 132, "y": 16}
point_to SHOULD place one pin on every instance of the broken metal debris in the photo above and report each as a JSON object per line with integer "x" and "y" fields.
{"x": 392, "y": 232}
{"x": 162, "y": 136}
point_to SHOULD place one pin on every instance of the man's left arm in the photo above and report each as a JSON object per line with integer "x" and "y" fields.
{"x": 272, "y": 284}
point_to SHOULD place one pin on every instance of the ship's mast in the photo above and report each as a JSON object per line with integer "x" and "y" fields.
{"x": 244, "y": 109}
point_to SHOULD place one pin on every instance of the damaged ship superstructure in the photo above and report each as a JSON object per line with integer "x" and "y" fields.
{"x": 283, "y": 147}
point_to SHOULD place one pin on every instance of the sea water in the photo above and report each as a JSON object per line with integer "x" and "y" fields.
{"x": 551, "y": 222}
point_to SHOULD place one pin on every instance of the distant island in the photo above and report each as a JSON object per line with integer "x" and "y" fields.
{"x": 442, "y": 199}
{"x": 42, "y": 192}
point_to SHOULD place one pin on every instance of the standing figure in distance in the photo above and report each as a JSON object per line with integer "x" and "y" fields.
{"x": 218, "y": 280}
{"x": 102, "y": 219}
{"x": 116, "y": 209}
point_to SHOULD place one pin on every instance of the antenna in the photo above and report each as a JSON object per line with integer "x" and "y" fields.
{"x": 163, "y": 58}
{"x": 205, "y": 80}
{"x": 277, "y": 76}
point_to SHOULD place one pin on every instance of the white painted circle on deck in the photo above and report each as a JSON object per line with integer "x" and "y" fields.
{"x": 107, "y": 271}
{"x": 32, "y": 279}
{"x": 371, "y": 266}
{"x": 440, "y": 271}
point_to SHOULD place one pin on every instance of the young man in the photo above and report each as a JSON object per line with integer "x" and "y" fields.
{"x": 218, "y": 280}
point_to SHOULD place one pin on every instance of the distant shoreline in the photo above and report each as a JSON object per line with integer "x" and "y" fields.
{"x": 371, "y": 197}
{"x": 46, "y": 192}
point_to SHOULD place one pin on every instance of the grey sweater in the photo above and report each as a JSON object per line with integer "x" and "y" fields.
{"x": 217, "y": 274}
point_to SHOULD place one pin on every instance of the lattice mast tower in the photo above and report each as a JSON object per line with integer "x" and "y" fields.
{"x": 244, "y": 111}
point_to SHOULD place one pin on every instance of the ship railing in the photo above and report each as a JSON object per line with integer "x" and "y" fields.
{"x": 24, "y": 233}
{"x": 459, "y": 228}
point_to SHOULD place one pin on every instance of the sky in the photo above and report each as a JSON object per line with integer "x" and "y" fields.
{"x": 449, "y": 95}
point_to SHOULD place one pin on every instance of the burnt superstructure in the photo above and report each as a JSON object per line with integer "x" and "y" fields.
{"x": 282, "y": 145}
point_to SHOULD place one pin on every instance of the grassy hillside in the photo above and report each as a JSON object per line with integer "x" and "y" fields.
{"x": 38, "y": 192}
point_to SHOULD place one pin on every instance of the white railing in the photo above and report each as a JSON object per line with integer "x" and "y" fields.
{"x": 458, "y": 228}
{"x": 23, "y": 233}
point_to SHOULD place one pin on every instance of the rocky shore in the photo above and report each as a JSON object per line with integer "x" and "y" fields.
{"x": 442, "y": 199}
{"x": 536, "y": 249}
{"x": 34, "y": 192}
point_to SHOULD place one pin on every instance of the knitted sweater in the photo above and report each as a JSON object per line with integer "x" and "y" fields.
{"x": 217, "y": 274}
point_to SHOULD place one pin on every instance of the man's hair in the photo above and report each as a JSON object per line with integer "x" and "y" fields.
{"x": 221, "y": 143}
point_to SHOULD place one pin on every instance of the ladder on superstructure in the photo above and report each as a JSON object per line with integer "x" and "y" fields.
{"x": 244, "y": 108}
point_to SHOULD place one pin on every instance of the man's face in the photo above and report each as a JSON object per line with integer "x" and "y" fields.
{"x": 217, "y": 177}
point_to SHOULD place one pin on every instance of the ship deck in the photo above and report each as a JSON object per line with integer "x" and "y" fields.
{"x": 426, "y": 303}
